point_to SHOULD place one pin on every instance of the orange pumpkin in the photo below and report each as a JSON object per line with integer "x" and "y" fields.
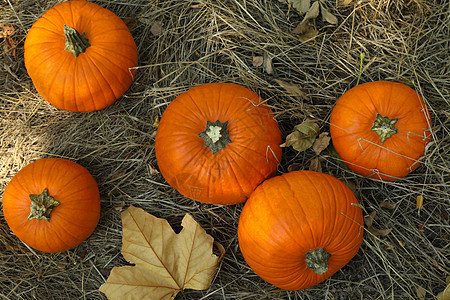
{"x": 52, "y": 204}
{"x": 299, "y": 228}
{"x": 80, "y": 56}
{"x": 380, "y": 129}
{"x": 216, "y": 142}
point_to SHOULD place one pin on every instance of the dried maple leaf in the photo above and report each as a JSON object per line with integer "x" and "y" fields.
{"x": 165, "y": 263}
{"x": 303, "y": 136}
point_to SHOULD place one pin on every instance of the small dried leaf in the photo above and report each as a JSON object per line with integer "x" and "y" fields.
{"x": 7, "y": 30}
{"x": 315, "y": 165}
{"x": 152, "y": 170}
{"x": 267, "y": 64}
{"x": 305, "y": 31}
{"x": 301, "y": 6}
{"x": 199, "y": 5}
{"x": 321, "y": 143}
{"x": 292, "y": 89}
{"x": 313, "y": 12}
{"x": 419, "y": 202}
{"x": 258, "y": 61}
{"x": 368, "y": 220}
{"x": 295, "y": 167}
{"x": 155, "y": 121}
{"x": 165, "y": 263}
{"x": 387, "y": 204}
{"x": 156, "y": 29}
{"x": 380, "y": 232}
{"x": 303, "y": 137}
{"x": 345, "y": 2}
{"x": 445, "y": 294}
{"x": 327, "y": 16}
{"x": 421, "y": 293}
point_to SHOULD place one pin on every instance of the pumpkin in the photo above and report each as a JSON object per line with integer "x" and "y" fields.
{"x": 380, "y": 129}
{"x": 52, "y": 204}
{"x": 80, "y": 56}
{"x": 298, "y": 229}
{"x": 216, "y": 142}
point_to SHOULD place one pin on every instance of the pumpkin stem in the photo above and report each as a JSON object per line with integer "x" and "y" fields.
{"x": 384, "y": 127}
{"x": 75, "y": 42}
{"x": 41, "y": 206}
{"x": 216, "y": 135}
{"x": 317, "y": 260}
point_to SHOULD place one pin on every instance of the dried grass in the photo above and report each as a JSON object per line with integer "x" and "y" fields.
{"x": 405, "y": 41}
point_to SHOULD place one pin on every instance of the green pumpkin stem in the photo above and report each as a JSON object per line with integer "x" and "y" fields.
{"x": 216, "y": 135}
{"x": 384, "y": 127}
{"x": 41, "y": 206}
{"x": 75, "y": 42}
{"x": 317, "y": 260}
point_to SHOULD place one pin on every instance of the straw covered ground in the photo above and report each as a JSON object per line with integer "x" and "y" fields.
{"x": 182, "y": 44}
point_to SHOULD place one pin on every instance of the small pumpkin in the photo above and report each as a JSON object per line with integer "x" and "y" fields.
{"x": 80, "y": 56}
{"x": 52, "y": 204}
{"x": 216, "y": 142}
{"x": 380, "y": 129}
{"x": 298, "y": 229}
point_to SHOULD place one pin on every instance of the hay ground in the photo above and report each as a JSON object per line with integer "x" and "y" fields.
{"x": 404, "y": 40}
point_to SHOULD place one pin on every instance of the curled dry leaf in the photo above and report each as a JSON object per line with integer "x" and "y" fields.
{"x": 368, "y": 220}
{"x": 304, "y": 30}
{"x": 165, "y": 263}
{"x": 303, "y": 136}
{"x": 268, "y": 64}
{"x": 387, "y": 204}
{"x": 321, "y": 143}
{"x": 315, "y": 165}
{"x": 327, "y": 16}
{"x": 292, "y": 89}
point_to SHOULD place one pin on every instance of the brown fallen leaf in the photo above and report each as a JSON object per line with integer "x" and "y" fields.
{"x": 315, "y": 165}
{"x": 268, "y": 64}
{"x": 165, "y": 263}
{"x": 304, "y": 30}
{"x": 445, "y": 294}
{"x": 387, "y": 204}
{"x": 321, "y": 143}
{"x": 303, "y": 136}
{"x": 327, "y": 16}
{"x": 421, "y": 293}
{"x": 292, "y": 89}
{"x": 302, "y": 6}
{"x": 368, "y": 220}
{"x": 257, "y": 61}
{"x": 6, "y": 33}
{"x": 156, "y": 29}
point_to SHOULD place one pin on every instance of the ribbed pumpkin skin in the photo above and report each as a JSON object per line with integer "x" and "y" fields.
{"x": 94, "y": 79}
{"x": 72, "y": 222}
{"x": 232, "y": 173}
{"x": 361, "y": 149}
{"x": 289, "y": 215}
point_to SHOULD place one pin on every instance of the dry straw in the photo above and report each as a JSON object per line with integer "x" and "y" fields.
{"x": 185, "y": 43}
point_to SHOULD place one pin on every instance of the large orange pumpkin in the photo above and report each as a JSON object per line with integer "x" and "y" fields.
{"x": 380, "y": 129}
{"x": 80, "y": 56}
{"x": 52, "y": 204}
{"x": 216, "y": 142}
{"x": 299, "y": 228}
